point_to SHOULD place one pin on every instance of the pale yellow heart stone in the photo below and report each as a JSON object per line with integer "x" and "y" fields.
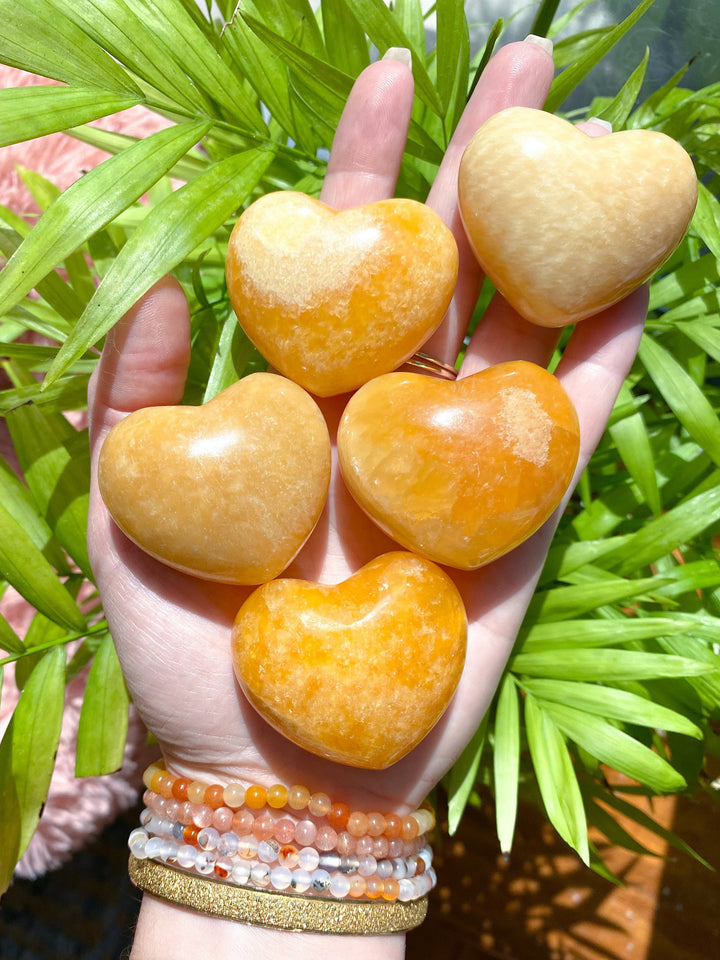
{"x": 358, "y": 672}
{"x": 332, "y": 298}
{"x": 228, "y": 491}
{"x": 565, "y": 224}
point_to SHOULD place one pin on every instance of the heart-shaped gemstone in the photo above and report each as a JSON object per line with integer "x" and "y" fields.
{"x": 460, "y": 472}
{"x": 565, "y": 224}
{"x": 228, "y": 491}
{"x": 333, "y": 298}
{"x": 359, "y": 672}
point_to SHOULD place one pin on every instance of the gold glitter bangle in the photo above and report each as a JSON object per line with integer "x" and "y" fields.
{"x": 280, "y": 911}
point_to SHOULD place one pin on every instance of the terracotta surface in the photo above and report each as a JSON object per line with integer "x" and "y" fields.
{"x": 460, "y": 472}
{"x": 545, "y": 905}
{"x": 228, "y": 491}
{"x": 565, "y": 224}
{"x": 332, "y": 298}
{"x": 358, "y": 672}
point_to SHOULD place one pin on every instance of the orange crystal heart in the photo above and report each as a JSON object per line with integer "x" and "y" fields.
{"x": 460, "y": 472}
{"x": 360, "y": 672}
{"x": 565, "y": 224}
{"x": 228, "y": 491}
{"x": 333, "y": 298}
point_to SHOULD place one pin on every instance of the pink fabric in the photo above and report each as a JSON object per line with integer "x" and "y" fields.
{"x": 76, "y": 809}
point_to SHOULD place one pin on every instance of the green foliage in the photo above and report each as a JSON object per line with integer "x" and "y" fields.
{"x": 617, "y": 660}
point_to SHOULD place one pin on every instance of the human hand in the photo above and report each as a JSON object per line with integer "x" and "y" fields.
{"x": 172, "y": 631}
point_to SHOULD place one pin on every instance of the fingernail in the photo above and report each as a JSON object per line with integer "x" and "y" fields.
{"x": 601, "y": 123}
{"x": 544, "y": 42}
{"x": 401, "y": 54}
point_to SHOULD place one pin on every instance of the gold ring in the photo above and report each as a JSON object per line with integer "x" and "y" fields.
{"x": 430, "y": 365}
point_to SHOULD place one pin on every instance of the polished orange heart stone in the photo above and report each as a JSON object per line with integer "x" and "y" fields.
{"x": 228, "y": 491}
{"x": 333, "y": 298}
{"x": 359, "y": 672}
{"x": 460, "y": 472}
{"x": 565, "y": 224}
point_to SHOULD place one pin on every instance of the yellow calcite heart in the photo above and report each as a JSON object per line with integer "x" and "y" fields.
{"x": 333, "y": 298}
{"x": 228, "y": 491}
{"x": 565, "y": 224}
{"x": 359, "y": 672}
{"x": 460, "y": 472}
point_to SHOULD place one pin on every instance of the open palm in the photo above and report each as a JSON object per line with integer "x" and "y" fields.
{"x": 172, "y": 631}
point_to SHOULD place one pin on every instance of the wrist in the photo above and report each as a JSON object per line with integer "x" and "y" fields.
{"x": 164, "y": 929}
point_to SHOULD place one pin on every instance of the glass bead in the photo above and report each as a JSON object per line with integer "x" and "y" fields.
{"x": 171, "y": 809}
{"x": 184, "y": 813}
{"x": 146, "y": 816}
{"x": 213, "y": 796}
{"x": 391, "y": 889}
{"x": 280, "y": 878}
{"x": 153, "y": 847}
{"x": 298, "y": 797}
{"x": 376, "y": 824}
{"x": 349, "y": 864}
{"x": 165, "y": 828}
{"x": 426, "y": 856}
{"x": 196, "y": 791}
{"x": 393, "y": 825}
{"x": 240, "y": 873}
{"x": 255, "y": 797}
{"x": 228, "y": 843}
{"x": 162, "y": 783}
{"x": 346, "y": 843}
{"x": 169, "y": 849}
{"x": 367, "y": 866}
{"x": 364, "y": 846}
{"x": 186, "y": 855}
{"x": 384, "y": 869}
{"x": 247, "y": 847}
{"x": 180, "y": 788}
{"x": 205, "y": 861}
{"x": 277, "y": 796}
{"x": 150, "y": 773}
{"x": 419, "y": 866}
{"x": 326, "y": 837}
{"x": 399, "y": 870}
{"x": 147, "y": 797}
{"x": 285, "y": 830}
{"x": 208, "y": 838}
{"x": 432, "y": 877}
{"x": 338, "y": 815}
{"x": 409, "y": 828}
{"x": 157, "y": 804}
{"x": 202, "y": 815}
{"x": 396, "y": 848}
{"x": 381, "y": 846}
{"x": 190, "y": 834}
{"x": 300, "y": 881}
{"x": 308, "y": 858}
{"x": 223, "y": 867}
{"x": 268, "y": 850}
{"x": 136, "y": 841}
{"x": 242, "y": 823}
{"x": 288, "y": 856}
{"x": 178, "y": 830}
{"x": 260, "y": 875}
{"x": 222, "y": 819}
{"x": 357, "y": 824}
{"x": 374, "y": 887}
{"x": 319, "y": 805}
{"x": 305, "y": 832}
{"x": 357, "y": 886}
{"x": 234, "y": 795}
{"x": 264, "y": 826}
{"x": 339, "y": 885}
{"x": 330, "y": 860}
{"x": 406, "y": 890}
{"x": 412, "y": 863}
{"x": 320, "y": 880}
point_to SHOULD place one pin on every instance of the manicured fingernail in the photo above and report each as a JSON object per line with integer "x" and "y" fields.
{"x": 601, "y": 123}
{"x": 401, "y": 54}
{"x": 544, "y": 42}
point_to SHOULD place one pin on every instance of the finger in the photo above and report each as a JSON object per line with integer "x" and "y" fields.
{"x": 520, "y": 74}
{"x": 145, "y": 359}
{"x": 370, "y": 138}
{"x": 503, "y": 334}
